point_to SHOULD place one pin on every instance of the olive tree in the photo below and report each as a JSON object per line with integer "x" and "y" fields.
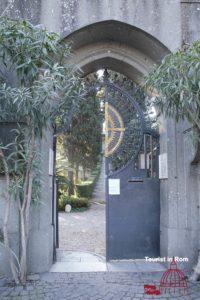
{"x": 38, "y": 89}
{"x": 177, "y": 85}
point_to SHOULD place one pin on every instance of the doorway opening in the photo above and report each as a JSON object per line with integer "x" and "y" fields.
{"x": 80, "y": 171}
{"x": 123, "y": 128}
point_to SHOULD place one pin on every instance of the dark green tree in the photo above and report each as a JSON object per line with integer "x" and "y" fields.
{"x": 82, "y": 143}
{"x": 38, "y": 89}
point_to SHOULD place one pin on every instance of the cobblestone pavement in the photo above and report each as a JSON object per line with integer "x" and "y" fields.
{"x": 83, "y": 231}
{"x": 90, "y": 286}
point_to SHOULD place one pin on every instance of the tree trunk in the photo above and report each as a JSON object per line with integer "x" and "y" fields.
{"x": 25, "y": 211}
{"x": 84, "y": 174}
{"x": 23, "y": 254}
{"x": 76, "y": 173}
{"x": 71, "y": 183}
{"x": 25, "y": 231}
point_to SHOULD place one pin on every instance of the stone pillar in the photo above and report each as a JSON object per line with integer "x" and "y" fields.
{"x": 180, "y": 200}
{"x": 190, "y": 15}
{"x": 42, "y": 240}
{"x": 42, "y": 235}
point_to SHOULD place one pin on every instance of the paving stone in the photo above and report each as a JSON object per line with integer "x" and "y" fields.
{"x": 94, "y": 286}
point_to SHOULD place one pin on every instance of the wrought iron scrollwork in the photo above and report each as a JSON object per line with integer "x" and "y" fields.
{"x": 125, "y": 125}
{"x": 114, "y": 129}
{"x": 129, "y": 126}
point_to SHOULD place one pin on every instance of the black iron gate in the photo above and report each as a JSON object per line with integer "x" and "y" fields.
{"x": 132, "y": 184}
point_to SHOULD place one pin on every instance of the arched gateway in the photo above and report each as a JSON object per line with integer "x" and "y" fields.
{"x": 132, "y": 183}
{"x": 133, "y": 216}
{"x": 128, "y": 41}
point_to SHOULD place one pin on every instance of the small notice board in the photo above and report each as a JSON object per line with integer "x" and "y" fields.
{"x": 163, "y": 166}
{"x": 114, "y": 186}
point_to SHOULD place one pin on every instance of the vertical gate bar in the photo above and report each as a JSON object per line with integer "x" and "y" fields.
{"x": 145, "y": 153}
{"x": 106, "y": 186}
{"x": 54, "y": 213}
{"x": 107, "y": 207}
{"x": 157, "y": 156}
{"x": 106, "y": 126}
{"x": 57, "y": 223}
{"x": 151, "y": 147}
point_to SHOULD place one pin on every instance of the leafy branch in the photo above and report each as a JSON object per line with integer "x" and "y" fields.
{"x": 177, "y": 85}
{"x": 37, "y": 89}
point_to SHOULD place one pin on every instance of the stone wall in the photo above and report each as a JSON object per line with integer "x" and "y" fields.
{"x": 157, "y": 17}
{"x": 26, "y": 9}
{"x": 12, "y": 229}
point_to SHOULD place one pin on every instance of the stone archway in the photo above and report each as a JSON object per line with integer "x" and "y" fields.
{"x": 118, "y": 47}
{"x": 134, "y": 56}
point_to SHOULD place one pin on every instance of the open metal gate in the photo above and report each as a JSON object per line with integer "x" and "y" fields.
{"x": 132, "y": 184}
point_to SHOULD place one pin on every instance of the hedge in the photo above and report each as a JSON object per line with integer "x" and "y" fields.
{"x": 85, "y": 189}
{"x": 75, "y": 202}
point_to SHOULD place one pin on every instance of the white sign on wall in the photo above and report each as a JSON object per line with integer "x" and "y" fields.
{"x": 163, "y": 166}
{"x": 114, "y": 186}
{"x": 51, "y": 162}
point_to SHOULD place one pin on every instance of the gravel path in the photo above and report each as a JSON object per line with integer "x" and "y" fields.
{"x": 83, "y": 231}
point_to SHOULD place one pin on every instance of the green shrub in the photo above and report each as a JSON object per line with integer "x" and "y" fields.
{"x": 96, "y": 172}
{"x": 85, "y": 189}
{"x": 63, "y": 183}
{"x": 75, "y": 202}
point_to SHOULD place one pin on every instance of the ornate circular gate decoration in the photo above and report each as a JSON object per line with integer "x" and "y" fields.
{"x": 124, "y": 123}
{"x": 114, "y": 129}
{"x": 124, "y": 126}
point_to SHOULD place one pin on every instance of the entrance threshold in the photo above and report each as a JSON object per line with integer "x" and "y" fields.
{"x": 75, "y": 262}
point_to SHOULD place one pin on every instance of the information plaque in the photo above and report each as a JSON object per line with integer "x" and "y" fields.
{"x": 114, "y": 186}
{"x": 51, "y": 162}
{"x": 163, "y": 166}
